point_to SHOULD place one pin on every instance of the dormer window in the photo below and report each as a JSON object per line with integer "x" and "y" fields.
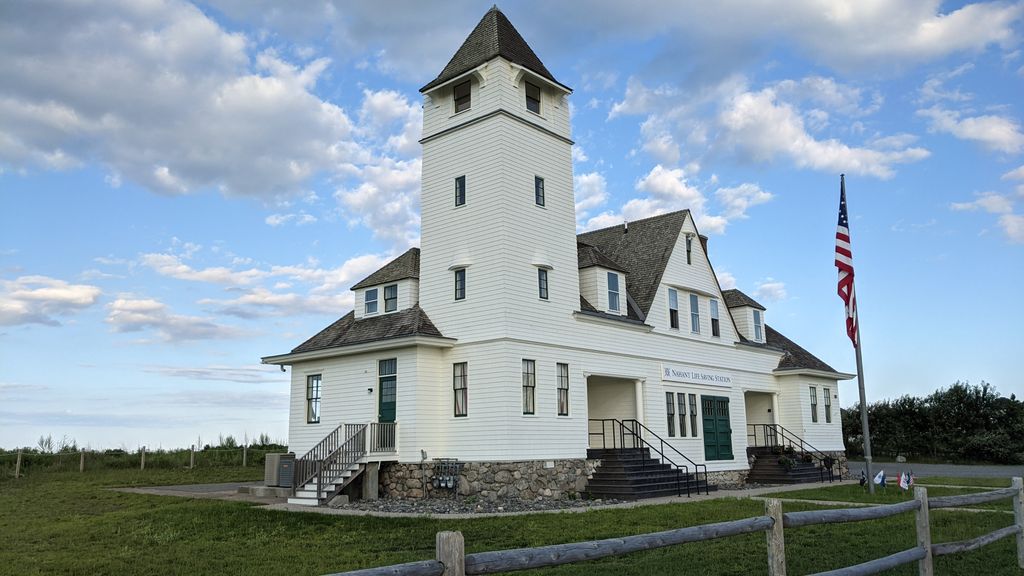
{"x": 613, "y": 292}
{"x": 371, "y": 301}
{"x": 391, "y": 298}
{"x": 758, "y": 326}
{"x": 462, "y": 97}
{"x": 532, "y": 98}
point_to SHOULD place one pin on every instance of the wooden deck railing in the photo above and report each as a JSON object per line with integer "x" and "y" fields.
{"x": 451, "y": 559}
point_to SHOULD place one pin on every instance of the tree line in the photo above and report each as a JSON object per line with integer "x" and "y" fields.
{"x": 961, "y": 423}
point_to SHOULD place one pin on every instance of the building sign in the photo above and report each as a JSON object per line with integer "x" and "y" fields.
{"x": 695, "y": 375}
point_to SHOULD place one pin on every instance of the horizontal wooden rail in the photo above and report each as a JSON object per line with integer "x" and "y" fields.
{"x": 526, "y": 558}
{"x": 421, "y": 568}
{"x": 798, "y": 519}
{"x": 971, "y": 499}
{"x": 974, "y": 543}
{"x": 879, "y": 564}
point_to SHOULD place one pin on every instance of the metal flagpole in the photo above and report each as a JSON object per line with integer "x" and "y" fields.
{"x": 864, "y": 415}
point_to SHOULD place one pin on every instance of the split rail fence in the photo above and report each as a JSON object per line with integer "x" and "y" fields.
{"x": 21, "y": 462}
{"x": 451, "y": 559}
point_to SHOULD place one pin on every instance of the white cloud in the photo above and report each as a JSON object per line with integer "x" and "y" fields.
{"x": 770, "y": 290}
{"x": 387, "y": 200}
{"x": 934, "y": 89}
{"x": 987, "y": 201}
{"x": 41, "y": 300}
{"x": 172, "y": 266}
{"x": 726, "y": 280}
{"x": 240, "y": 374}
{"x": 128, "y": 314}
{"x": 737, "y": 200}
{"x": 300, "y": 219}
{"x": 591, "y": 192}
{"x": 1013, "y": 227}
{"x": 832, "y": 95}
{"x": 1015, "y": 174}
{"x": 995, "y": 132}
{"x": 578, "y": 154}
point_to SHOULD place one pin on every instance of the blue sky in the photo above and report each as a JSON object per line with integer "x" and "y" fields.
{"x": 189, "y": 187}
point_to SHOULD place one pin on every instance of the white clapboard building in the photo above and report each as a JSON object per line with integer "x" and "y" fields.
{"x": 542, "y": 362}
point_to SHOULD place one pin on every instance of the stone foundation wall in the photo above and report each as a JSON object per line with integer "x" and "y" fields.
{"x": 728, "y": 478}
{"x": 844, "y": 464}
{"x": 527, "y": 480}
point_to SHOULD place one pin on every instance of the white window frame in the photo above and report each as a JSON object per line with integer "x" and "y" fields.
{"x": 758, "y": 326}
{"x": 694, "y": 314}
{"x": 614, "y": 295}
{"x": 716, "y": 327}
{"x": 673, "y": 306}
{"x": 542, "y": 284}
{"x": 393, "y": 302}
{"x": 367, "y": 301}
{"x": 529, "y": 387}
{"x": 313, "y": 401}
{"x": 468, "y": 98}
{"x": 562, "y": 375}
{"x": 814, "y": 404}
{"x": 460, "y": 389}
{"x": 827, "y": 394}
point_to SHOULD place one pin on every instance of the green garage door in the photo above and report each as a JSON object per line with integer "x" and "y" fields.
{"x": 717, "y": 429}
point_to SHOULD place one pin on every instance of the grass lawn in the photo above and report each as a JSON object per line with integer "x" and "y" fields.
{"x": 961, "y": 481}
{"x": 69, "y": 523}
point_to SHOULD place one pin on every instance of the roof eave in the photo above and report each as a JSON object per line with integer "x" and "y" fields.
{"x": 373, "y": 346}
{"x": 813, "y": 372}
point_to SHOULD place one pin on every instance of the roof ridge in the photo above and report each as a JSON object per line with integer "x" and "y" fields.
{"x": 647, "y": 219}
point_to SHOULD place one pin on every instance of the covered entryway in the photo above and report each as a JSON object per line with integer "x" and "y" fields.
{"x": 612, "y": 398}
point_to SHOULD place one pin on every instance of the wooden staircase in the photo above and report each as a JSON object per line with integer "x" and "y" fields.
{"x": 780, "y": 457}
{"x": 338, "y": 459}
{"x": 633, "y": 474}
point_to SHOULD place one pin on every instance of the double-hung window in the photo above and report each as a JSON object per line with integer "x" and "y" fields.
{"x": 462, "y": 97}
{"x": 828, "y": 404}
{"x": 814, "y": 404}
{"x": 313, "y": 399}
{"x": 538, "y": 190}
{"x": 670, "y": 412}
{"x": 682, "y": 414}
{"x": 693, "y": 415}
{"x": 391, "y": 298}
{"x": 532, "y": 98}
{"x": 715, "y": 328}
{"x": 460, "y": 190}
{"x": 563, "y": 389}
{"x": 694, "y": 314}
{"x": 673, "y": 308}
{"x": 529, "y": 386}
{"x": 460, "y": 284}
{"x": 371, "y": 301}
{"x": 460, "y": 378}
{"x": 758, "y": 327}
{"x": 689, "y": 248}
{"x": 542, "y": 283}
{"x": 613, "y": 291}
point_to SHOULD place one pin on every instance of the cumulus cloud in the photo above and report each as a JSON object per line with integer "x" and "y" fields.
{"x": 128, "y": 314}
{"x": 591, "y": 192}
{"x": 386, "y": 201}
{"x": 737, "y": 200}
{"x": 998, "y": 133}
{"x": 1013, "y": 227}
{"x": 770, "y": 290}
{"x": 239, "y": 374}
{"x": 1015, "y": 174}
{"x": 299, "y": 219}
{"x": 171, "y": 265}
{"x": 42, "y": 300}
{"x": 986, "y": 201}
{"x": 726, "y": 280}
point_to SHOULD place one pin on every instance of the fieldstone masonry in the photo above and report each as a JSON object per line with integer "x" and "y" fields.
{"x": 546, "y": 479}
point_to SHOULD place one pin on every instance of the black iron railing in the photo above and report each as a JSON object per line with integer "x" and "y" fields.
{"x": 632, "y": 434}
{"x": 776, "y": 436}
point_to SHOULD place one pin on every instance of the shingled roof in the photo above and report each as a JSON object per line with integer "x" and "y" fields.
{"x": 587, "y": 256}
{"x": 348, "y": 331}
{"x": 794, "y": 357}
{"x": 405, "y": 266}
{"x": 734, "y": 299}
{"x": 643, "y": 248}
{"x": 494, "y": 36}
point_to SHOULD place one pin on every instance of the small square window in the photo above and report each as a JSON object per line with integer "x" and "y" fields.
{"x": 371, "y": 301}
{"x": 532, "y": 98}
{"x": 462, "y": 97}
{"x": 460, "y": 190}
{"x": 538, "y": 190}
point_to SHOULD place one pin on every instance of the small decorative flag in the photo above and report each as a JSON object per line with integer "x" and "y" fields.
{"x": 880, "y": 478}
{"x": 844, "y": 262}
{"x": 904, "y": 481}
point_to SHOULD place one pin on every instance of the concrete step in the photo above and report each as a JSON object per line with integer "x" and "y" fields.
{"x": 304, "y": 501}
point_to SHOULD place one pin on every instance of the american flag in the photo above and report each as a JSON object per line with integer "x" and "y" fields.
{"x": 844, "y": 262}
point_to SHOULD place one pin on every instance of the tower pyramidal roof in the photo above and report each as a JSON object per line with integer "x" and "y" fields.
{"x": 494, "y": 36}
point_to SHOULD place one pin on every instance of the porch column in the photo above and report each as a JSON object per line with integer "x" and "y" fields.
{"x": 775, "y": 408}
{"x": 638, "y": 387}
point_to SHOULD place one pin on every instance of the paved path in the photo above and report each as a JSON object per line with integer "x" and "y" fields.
{"x": 959, "y": 470}
{"x": 222, "y": 491}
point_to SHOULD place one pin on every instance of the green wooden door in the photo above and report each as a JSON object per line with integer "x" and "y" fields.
{"x": 717, "y": 428}
{"x": 388, "y": 374}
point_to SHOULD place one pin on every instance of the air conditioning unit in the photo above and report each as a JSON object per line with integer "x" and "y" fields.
{"x": 272, "y": 470}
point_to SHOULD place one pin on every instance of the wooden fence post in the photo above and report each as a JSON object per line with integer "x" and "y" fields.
{"x": 17, "y": 465}
{"x": 245, "y": 456}
{"x": 142, "y": 458}
{"x": 451, "y": 551}
{"x": 81, "y": 461}
{"x": 776, "y": 539}
{"x": 924, "y": 532}
{"x": 192, "y": 457}
{"x": 1018, "y": 518}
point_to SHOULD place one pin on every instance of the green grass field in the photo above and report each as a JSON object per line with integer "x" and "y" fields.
{"x": 70, "y": 523}
{"x": 960, "y": 481}
{"x": 888, "y": 495}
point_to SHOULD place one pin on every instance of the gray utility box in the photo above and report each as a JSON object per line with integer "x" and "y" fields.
{"x": 279, "y": 470}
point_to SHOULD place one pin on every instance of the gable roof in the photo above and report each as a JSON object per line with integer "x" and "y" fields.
{"x": 348, "y": 331}
{"x": 587, "y": 256}
{"x": 794, "y": 357}
{"x": 494, "y": 36}
{"x": 735, "y": 299}
{"x": 405, "y": 266}
{"x": 643, "y": 248}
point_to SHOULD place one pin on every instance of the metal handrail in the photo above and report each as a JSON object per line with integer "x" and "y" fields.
{"x": 773, "y": 432}
{"x": 638, "y": 441}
